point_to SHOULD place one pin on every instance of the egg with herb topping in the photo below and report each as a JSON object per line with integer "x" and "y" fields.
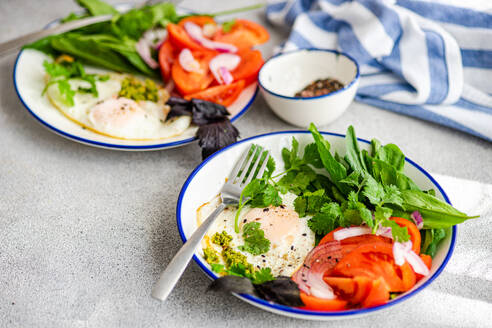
{"x": 290, "y": 237}
{"x": 124, "y": 107}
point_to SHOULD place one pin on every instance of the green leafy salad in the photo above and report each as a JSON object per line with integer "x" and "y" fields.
{"x": 360, "y": 188}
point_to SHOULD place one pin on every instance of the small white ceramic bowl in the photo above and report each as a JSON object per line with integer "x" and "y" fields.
{"x": 287, "y": 73}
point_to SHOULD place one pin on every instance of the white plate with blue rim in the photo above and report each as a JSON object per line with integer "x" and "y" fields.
{"x": 215, "y": 169}
{"x": 29, "y": 83}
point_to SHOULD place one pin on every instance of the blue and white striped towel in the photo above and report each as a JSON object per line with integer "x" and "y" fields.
{"x": 420, "y": 58}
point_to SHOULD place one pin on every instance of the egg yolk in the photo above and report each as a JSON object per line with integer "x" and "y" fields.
{"x": 279, "y": 223}
{"x": 116, "y": 113}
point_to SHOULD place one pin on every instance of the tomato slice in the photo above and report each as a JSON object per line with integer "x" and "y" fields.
{"x": 364, "y": 286}
{"x": 180, "y": 39}
{"x": 198, "y": 20}
{"x": 374, "y": 261}
{"x": 428, "y": 262}
{"x": 221, "y": 94}
{"x": 379, "y": 294}
{"x": 244, "y": 34}
{"x": 191, "y": 82}
{"x": 251, "y": 62}
{"x": 362, "y": 239}
{"x": 343, "y": 287}
{"x": 321, "y": 304}
{"x": 166, "y": 58}
{"x": 412, "y": 230}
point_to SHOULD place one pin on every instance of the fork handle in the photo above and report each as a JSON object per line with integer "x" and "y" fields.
{"x": 170, "y": 276}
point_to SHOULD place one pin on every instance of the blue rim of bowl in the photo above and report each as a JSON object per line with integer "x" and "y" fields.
{"x": 354, "y": 80}
{"x": 110, "y": 145}
{"x": 283, "y": 308}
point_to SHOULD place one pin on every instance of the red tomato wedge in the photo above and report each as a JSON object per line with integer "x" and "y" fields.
{"x": 180, "y": 39}
{"x": 428, "y": 262}
{"x": 251, "y": 62}
{"x": 244, "y": 34}
{"x": 379, "y": 294}
{"x": 374, "y": 261}
{"x": 221, "y": 94}
{"x": 191, "y": 82}
{"x": 198, "y": 20}
{"x": 166, "y": 59}
{"x": 412, "y": 230}
{"x": 321, "y": 304}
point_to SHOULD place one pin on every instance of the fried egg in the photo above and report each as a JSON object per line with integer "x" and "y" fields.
{"x": 119, "y": 117}
{"x": 290, "y": 237}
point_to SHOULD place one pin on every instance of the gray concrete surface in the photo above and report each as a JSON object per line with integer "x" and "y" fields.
{"x": 84, "y": 232}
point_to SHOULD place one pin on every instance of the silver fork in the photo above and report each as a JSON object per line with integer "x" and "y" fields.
{"x": 242, "y": 174}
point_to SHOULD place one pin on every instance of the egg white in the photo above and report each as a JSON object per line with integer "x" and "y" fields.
{"x": 284, "y": 256}
{"x": 141, "y": 120}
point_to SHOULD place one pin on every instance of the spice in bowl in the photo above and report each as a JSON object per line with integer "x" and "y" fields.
{"x": 319, "y": 88}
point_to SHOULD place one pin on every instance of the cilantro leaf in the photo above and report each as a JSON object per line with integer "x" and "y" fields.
{"x": 392, "y": 195}
{"x": 373, "y": 191}
{"x": 353, "y": 179}
{"x": 262, "y": 275}
{"x": 327, "y": 219}
{"x": 254, "y": 239}
{"x": 310, "y": 203}
{"x": 298, "y": 180}
{"x": 400, "y": 234}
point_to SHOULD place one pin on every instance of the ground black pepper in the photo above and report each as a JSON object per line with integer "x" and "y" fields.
{"x": 320, "y": 87}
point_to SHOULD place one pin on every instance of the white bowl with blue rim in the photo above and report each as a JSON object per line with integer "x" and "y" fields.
{"x": 206, "y": 181}
{"x": 29, "y": 83}
{"x": 287, "y": 73}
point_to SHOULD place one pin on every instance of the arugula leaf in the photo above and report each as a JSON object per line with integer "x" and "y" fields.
{"x": 311, "y": 156}
{"x": 391, "y": 155}
{"x": 436, "y": 213}
{"x": 310, "y": 203}
{"x": 290, "y": 157}
{"x": 227, "y": 26}
{"x": 336, "y": 170}
{"x": 353, "y": 154}
{"x": 432, "y": 238}
{"x": 254, "y": 239}
{"x": 97, "y": 7}
{"x": 329, "y": 217}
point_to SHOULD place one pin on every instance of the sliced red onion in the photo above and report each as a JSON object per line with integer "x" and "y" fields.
{"x": 351, "y": 232}
{"x": 196, "y": 33}
{"x": 417, "y": 218}
{"x": 385, "y": 232}
{"x": 188, "y": 62}
{"x": 309, "y": 277}
{"x": 416, "y": 263}
{"x": 399, "y": 251}
{"x": 209, "y": 30}
{"x": 155, "y": 37}
{"x": 169, "y": 86}
{"x": 143, "y": 49}
{"x": 222, "y": 65}
{"x": 403, "y": 252}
